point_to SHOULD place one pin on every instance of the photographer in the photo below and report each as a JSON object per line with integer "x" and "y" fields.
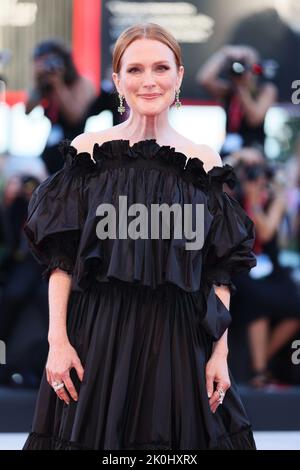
{"x": 272, "y": 310}
{"x": 23, "y": 298}
{"x": 233, "y": 75}
{"x": 64, "y": 94}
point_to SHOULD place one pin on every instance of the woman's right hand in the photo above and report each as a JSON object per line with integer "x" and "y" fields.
{"x": 62, "y": 357}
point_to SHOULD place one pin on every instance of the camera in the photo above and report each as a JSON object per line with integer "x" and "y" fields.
{"x": 253, "y": 172}
{"x": 266, "y": 69}
{"x": 238, "y": 68}
{"x": 273, "y": 173}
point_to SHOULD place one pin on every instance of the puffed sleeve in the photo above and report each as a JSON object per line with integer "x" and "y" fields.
{"x": 56, "y": 213}
{"x": 228, "y": 247}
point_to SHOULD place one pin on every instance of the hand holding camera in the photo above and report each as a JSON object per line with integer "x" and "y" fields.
{"x": 48, "y": 73}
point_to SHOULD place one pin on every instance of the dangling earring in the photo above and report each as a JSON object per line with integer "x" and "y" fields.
{"x": 121, "y": 108}
{"x": 177, "y": 102}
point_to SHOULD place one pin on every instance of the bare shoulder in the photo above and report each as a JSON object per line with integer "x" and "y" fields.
{"x": 85, "y": 142}
{"x": 208, "y": 155}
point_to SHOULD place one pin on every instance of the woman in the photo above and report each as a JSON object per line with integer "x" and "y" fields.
{"x": 143, "y": 327}
{"x": 246, "y": 98}
{"x": 65, "y": 95}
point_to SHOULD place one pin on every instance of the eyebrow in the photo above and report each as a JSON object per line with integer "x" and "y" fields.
{"x": 158, "y": 62}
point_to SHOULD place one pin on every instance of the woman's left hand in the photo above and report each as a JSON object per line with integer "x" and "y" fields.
{"x": 217, "y": 379}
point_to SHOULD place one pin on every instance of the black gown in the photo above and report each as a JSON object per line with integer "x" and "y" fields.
{"x": 142, "y": 313}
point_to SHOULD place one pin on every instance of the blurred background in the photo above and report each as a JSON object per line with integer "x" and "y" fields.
{"x": 240, "y": 95}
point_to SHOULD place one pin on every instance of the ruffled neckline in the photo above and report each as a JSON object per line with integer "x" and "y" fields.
{"x": 150, "y": 149}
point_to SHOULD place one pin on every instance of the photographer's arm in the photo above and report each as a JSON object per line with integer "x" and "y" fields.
{"x": 246, "y": 155}
{"x": 207, "y": 75}
{"x": 74, "y": 100}
{"x": 267, "y": 223}
{"x": 256, "y": 108}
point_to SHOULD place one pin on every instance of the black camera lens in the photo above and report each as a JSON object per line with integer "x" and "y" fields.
{"x": 252, "y": 172}
{"x": 237, "y": 68}
{"x": 53, "y": 63}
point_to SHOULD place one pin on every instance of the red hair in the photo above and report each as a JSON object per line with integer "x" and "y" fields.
{"x": 148, "y": 31}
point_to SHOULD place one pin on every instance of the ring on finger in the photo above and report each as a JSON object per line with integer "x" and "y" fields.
{"x": 221, "y": 395}
{"x": 57, "y": 386}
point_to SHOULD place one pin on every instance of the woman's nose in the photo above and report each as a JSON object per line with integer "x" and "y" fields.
{"x": 148, "y": 78}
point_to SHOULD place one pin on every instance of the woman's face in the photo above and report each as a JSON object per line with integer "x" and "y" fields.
{"x": 148, "y": 67}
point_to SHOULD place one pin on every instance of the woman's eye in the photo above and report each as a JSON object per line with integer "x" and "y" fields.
{"x": 161, "y": 67}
